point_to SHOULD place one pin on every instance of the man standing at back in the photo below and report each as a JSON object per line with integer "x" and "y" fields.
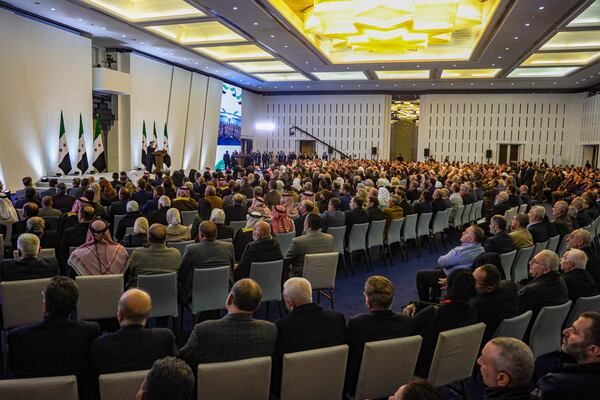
{"x": 314, "y": 241}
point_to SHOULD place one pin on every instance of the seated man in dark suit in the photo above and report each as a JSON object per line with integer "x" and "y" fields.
{"x": 169, "y": 379}
{"x": 500, "y": 242}
{"x": 207, "y": 253}
{"x": 57, "y": 346}
{"x": 562, "y": 222}
{"x": 237, "y": 211}
{"x": 536, "y": 226}
{"x": 61, "y": 200}
{"x": 29, "y": 210}
{"x": 152, "y": 205}
{"x": 30, "y": 197}
{"x": 27, "y": 265}
{"x": 237, "y": 335}
{"x": 579, "y": 282}
{"x": 133, "y": 347}
{"x": 306, "y": 327}
{"x": 356, "y": 215}
{"x": 263, "y": 248}
{"x": 160, "y": 216}
{"x": 142, "y": 195}
{"x": 582, "y": 240}
{"x": 379, "y": 323}
{"x": 314, "y": 241}
{"x": 333, "y": 217}
{"x": 306, "y": 207}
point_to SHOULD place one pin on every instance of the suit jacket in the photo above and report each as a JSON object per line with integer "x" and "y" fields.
{"x": 73, "y": 237}
{"x": 593, "y": 264}
{"x": 500, "y": 243}
{"x": 579, "y": 284}
{"x": 131, "y": 348}
{"x": 152, "y": 260}
{"x": 141, "y": 197}
{"x": 127, "y": 221}
{"x": 493, "y": 307}
{"x": 27, "y": 268}
{"x": 233, "y": 337}
{"x": 262, "y": 250}
{"x": 63, "y": 202}
{"x": 49, "y": 212}
{"x": 376, "y": 325}
{"x": 407, "y": 208}
{"x": 375, "y": 214}
{"x": 312, "y": 242}
{"x": 233, "y": 213}
{"x": 355, "y": 216}
{"x": 438, "y": 205}
{"x": 332, "y": 219}
{"x": 538, "y": 232}
{"x": 150, "y": 207}
{"x": 547, "y": 290}
{"x": 159, "y": 216}
{"x": 205, "y": 254}
{"x": 521, "y": 238}
{"x": 299, "y": 224}
{"x": 306, "y": 327}
{"x": 116, "y": 208}
{"x": 561, "y": 227}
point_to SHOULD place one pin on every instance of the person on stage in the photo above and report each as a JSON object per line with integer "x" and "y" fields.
{"x": 150, "y": 155}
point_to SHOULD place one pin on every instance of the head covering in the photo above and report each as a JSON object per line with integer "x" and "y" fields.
{"x": 258, "y": 205}
{"x": 183, "y": 192}
{"x": 288, "y": 202}
{"x": 252, "y": 218}
{"x": 308, "y": 195}
{"x": 99, "y": 255}
{"x": 173, "y": 217}
{"x": 7, "y": 210}
{"x": 280, "y": 222}
{"x": 80, "y": 202}
{"x": 140, "y": 226}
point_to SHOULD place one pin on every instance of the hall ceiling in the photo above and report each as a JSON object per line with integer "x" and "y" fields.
{"x": 422, "y": 46}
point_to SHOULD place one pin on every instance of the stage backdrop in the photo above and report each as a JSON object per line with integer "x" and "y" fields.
{"x": 230, "y": 123}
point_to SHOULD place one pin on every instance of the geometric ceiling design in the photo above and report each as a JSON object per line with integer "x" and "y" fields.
{"x": 147, "y": 10}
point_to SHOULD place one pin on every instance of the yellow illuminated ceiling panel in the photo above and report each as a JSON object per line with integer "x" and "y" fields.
{"x": 414, "y": 74}
{"x": 235, "y": 53}
{"x": 197, "y": 33}
{"x": 261, "y": 66}
{"x": 361, "y": 31}
{"x": 147, "y": 10}
{"x": 341, "y": 76}
{"x": 573, "y": 40}
{"x": 550, "y": 72}
{"x": 589, "y": 18}
{"x": 470, "y": 73}
{"x": 558, "y": 59}
{"x": 282, "y": 77}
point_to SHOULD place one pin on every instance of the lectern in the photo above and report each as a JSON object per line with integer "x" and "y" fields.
{"x": 159, "y": 156}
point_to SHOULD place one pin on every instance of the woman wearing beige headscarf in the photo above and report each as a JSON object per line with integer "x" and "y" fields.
{"x": 139, "y": 237}
{"x": 176, "y": 232}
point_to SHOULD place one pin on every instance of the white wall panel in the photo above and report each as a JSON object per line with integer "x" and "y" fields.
{"x": 178, "y": 109}
{"x": 195, "y": 122}
{"x": 590, "y": 126}
{"x": 210, "y": 129}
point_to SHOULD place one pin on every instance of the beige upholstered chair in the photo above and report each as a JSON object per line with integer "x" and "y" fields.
{"x": 58, "y": 387}
{"x": 546, "y": 332}
{"x": 121, "y": 386}
{"x": 241, "y": 380}
{"x": 98, "y": 296}
{"x": 320, "y": 270}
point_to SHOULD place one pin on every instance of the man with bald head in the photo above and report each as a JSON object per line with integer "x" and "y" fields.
{"x": 133, "y": 347}
{"x": 264, "y": 248}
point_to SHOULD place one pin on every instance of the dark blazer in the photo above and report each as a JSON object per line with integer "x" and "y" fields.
{"x": 593, "y": 264}
{"x": 423, "y": 207}
{"x": 500, "y": 243}
{"x": 150, "y": 206}
{"x": 332, "y": 219}
{"x": 27, "y": 268}
{"x": 355, "y": 216}
{"x": 116, "y": 208}
{"x": 538, "y": 231}
{"x": 375, "y": 214}
{"x": 571, "y": 382}
{"x": 561, "y": 227}
{"x": 493, "y": 307}
{"x": 235, "y": 213}
{"x": 438, "y": 205}
{"x": 159, "y": 216}
{"x": 306, "y": 327}
{"x": 131, "y": 348}
{"x": 579, "y": 284}
{"x": 141, "y": 197}
{"x": 63, "y": 202}
{"x": 262, "y": 250}
{"x": 224, "y": 232}
{"x": 363, "y": 328}
{"x": 126, "y": 222}
{"x": 233, "y": 337}
{"x": 407, "y": 207}
{"x": 546, "y": 290}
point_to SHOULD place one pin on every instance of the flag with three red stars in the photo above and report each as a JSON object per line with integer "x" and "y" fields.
{"x": 63, "y": 149}
{"x": 82, "y": 162}
{"x": 99, "y": 158}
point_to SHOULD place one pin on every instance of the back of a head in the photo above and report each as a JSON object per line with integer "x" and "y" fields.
{"x": 169, "y": 379}
{"x": 134, "y": 306}
{"x": 157, "y": 233}
{"x": 30, "y": 209}
{"x": 47, "y": 201}
{"x": 499, "y": 221}
{"x": 86, "y": 213}
{"x": 208, "y": 230}
{"x": 379, "y": 290}
{"x": 298, "y": 290}
{"x": 61, "y": 188}
{"x": 417, "y": 390}
{"x": 132, "y": 206}
{"x": 515, "y": 359}
{"x": 313, "y": 221}
{"x": 461, "y": 286}
{"x": 522, "y": 219}
{"x": 246, "y": 294}
{"x": 217, "y": 216}
{"x": 28, "y": 244}
{"x": 61, "y": 296}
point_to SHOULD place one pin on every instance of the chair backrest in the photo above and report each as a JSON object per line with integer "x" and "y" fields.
{"x": 51, "y": 223}
{"x": 358, "y": 236}
{"x": 546, "y": 332}
{"x": 440, "y": 221}
{"x": 1, "y": 247}
{"x": 514, "y": 327}
{"x": 523, "y": 208}
{"x": 507, "y": 260}
{"x": 285, "y": 241}
{"x": 57, "y": 387}
{"x": 553, "y": 243}
{"x": 474, "y": 208}
{"x": 457, "y": 213}
{"x": 538, "y": 247}
{"x": 20, "y": 213}
{"x": 187, "y": 217}
{"x": 394, "y": 231}
{"x": 228, "y": 240}
{"x": 268, "y": 276}
{"x": 509, "y": 214}
{"x": 130, "y": 250}
{"x": 180, "y": 245}
{"x": 375, "y": 233}
{"x": 210, "y": 288}
{"x": 162, "y": 289}
{"x": 116, "y": 221}
{"x": 423, "y": 224}
{"x": 466, "y": 215}
{"x": 22, "y": 302}
{"x": 236, "y": 226}
{"x": 129, "y": 230}
{"x": 455, "y": 354}
{"x": 98, "y": 296}
{"x": 338, "y": 233}
{"x": 121, "y": 386}
{"x": 562, "y": 247}
{"x": 314, "y": 374}
{"x": 47, "y": 253}
{"x": 386, "y": 365}
{"x": 520, "y": 268}
{"x": 221, "y": 380}
{"x": 320, "y": 269}
{"x": 582, "y": 305}
{"x": 409, "y": 230}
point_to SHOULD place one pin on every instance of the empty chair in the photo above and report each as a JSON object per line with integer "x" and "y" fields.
{"x": 285, "y": 241}
{"x": 210, "y": 289}
{"x": 387, "y": 365}
{"x": 116, "y": 222}
{"x": 553, "y": 243}
{"x": 546, "y": 331}
{"x": 507, "y": 260}
{"x": 520, "y": 268}
{"x": 58, "y": 387}
{"x": 98, "y": 296}
{"x": 236, "y": 226}
{"x": 357, "y": 242}
{"x": 582, "y": 305}
{"x": 268, "y": 276}
{"x": 320, "y": 269}
{"x": 455, "y": 355}
{"x": 180, "y": 245}
{"x": 47, "y": 253}
{"x": 562, "y": 247}
{"x": 509, "y": 214}
{"x": 162, "y": 289}
{"x": 338, "y": 233}
{"x": 223, "y": 380}
{"x": 394, "y": 235}
{"x": 187, "y": 217}
{"x": 456, "y": 216}
{"x": 314, "y": 374}
{"x": 523, "y": 208}
{"x": 375, "y": 236}
{"x": 466, "y": 216}
{"x": 423, "y": 227}
{"x": 121, "y": 386}
{"x": 514, "y": 327}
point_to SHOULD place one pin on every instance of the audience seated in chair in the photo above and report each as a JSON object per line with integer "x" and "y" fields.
{"x": 61, "y": 200}
{"x": 417, "y": 389}
{"x": 536, "y": 227}
{"x": 356, "y": 215}
{"x": 563, "y": 223}
{"x": 582, "y": 240}
{"x": 160, "y": 215}
{"x": 48, "y": 209}
{"x": 176, "y": 232}
{"x": 579, "y": 282}
{"x": 314, "y": 241}
{"x": 169, "y": 379}
{"x": 306, "y": 207}
{"x": 139, "y": 236}
{"x": 27, "y": 265}
{"x": 519, "y": 234}
{"x": 263, "y": 249}
{"x": 29, "y": 210}
{"x": 119, "y": 207}
{"x": 217, "y": 216}
{"x": 333, "y": 216}
{"x": 500, "y": 242}
{"x": 184, "y": 201}
{"x": 237, "y": 210}
{"x": 280, "y": 222}
{"x": 128, "y": 220}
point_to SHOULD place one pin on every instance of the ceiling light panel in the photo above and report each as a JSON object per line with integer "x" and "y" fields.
{"x": 262, "y": 66}
{"x": 198, "y": 33}
{"x": 408, "y": 74}
{"x": 282, "y": 77}
{"x": 558, "y": 59}
{"x": 573, "y": 40}
{"x": 470, "y": 73}
{"x": 589, "y": 18}
{"x": 341, "y": 76}
{"x": 148, "y": 10}
{"x": 550, "y": 72}
{"x": 235, "y": 53}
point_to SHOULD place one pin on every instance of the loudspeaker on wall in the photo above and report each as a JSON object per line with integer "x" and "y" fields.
{"x": 488, "y": 154}
{"x": 426, "y": 152}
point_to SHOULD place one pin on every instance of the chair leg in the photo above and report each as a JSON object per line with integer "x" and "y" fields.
{"x": 344, "y": 264}
{"x": 351, "y": 263}
{"x": 319, "y": 296}
{"x": 267, "y": 310}
{"x": 368, "y": 259}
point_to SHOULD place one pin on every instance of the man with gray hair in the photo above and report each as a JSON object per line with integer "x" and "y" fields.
{"x": 306, "y": 327}
{"x": 582, "y": 240}
{"x": 160, "y": 216}
{"x": 536, "y": 227}
{"x": 506, "y": 366}
{"x": 561, "y": 220}
{"x": 579, "y": 282}
{"x": 27, "y": 265}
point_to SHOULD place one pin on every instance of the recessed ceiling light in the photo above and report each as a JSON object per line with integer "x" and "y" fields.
{"x": 235, "y": 8}
{"x": 195, "y": 63}
{"x": 272, "y": 36}
{"x": 275, "y": 87}
{"x": 471, "y": 83}
{"x": 516, "y": 38}
{"x": 395, "y": 84}
{"x": 80, "y": 19}
{"x": 347, "y": 67}
{"x": 452, "y": 84}
{"x": 554, "y": 83}
{"x": 206, "y": 67}
{"x": 341, "y": 85}
{"x": 533, "y": 83}
{"x": 499, "y": 57}
{"x": 493, "y": 65}
{"x": 172, "y": 54}
{"x": 512, "y": 84}
{"x": 285, "y": 46}
{"x": 315, "y": 68}
{"x": 103, "y": 28}
{"x": 377, "y": 85}
{"x": 541, "y": 8}
{"x": 491, "y": 83}
{"x": 527, "y": 24}
{"x": 358, "y": 85}
{"x": 141, "y": 42}
{"x": 307, "y": 86}
{"x": 255, "y": 24}
{"x": 455, "y": 65}
{"x": 414, "y": 84}
{"x": 305, "y": 62}
{"x": 418, "y": 66}
{"x": 507, "y": 48}
{"x": 433, "y": 84}
{"x": 123, "y": 35}
{"x": 577, "y": 82}
{"x": 583, "y": 79}
{"x": 53, "y": 9}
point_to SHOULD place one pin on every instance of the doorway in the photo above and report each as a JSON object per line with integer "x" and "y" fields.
{"x": 590, "y": 153}
{"x": 306, "y": 147}
{"x": 508, "y": 153}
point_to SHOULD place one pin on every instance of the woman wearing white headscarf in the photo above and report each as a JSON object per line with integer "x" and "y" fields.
{"x": 176, "y": 232}
{"x": 139, "y": 237}
{"x": 8, "y": 212}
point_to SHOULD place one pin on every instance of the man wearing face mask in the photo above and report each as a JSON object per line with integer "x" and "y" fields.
{"x": 264, "y": 248}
